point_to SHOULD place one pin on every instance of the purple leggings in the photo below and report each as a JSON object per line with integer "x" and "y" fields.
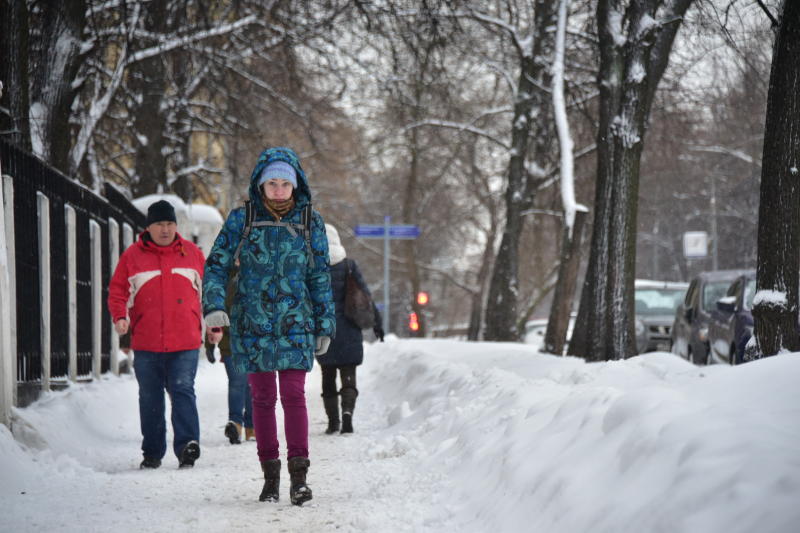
{"x": 295, "y": 414}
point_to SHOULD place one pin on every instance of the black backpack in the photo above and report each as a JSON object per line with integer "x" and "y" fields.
{"x": 304, "y": 227}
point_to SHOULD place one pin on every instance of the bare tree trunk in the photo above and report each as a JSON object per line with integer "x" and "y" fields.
{"x": 476, "y": 313}
{"x": 634, "y": 51}
{"x": 148, "y": 112}
{"x": 14, "y": 124}
{"x": 529, "y": 123}
{"x": 556, "y": 335}
{"x": 57, "y": 57}
{"x": 476, "y": 182}
{"x": 775, "y": 306}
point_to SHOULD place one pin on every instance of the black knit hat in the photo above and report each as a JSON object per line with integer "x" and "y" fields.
{"x": 160, "y": 211}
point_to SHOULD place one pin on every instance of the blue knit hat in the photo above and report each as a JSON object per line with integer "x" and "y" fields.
{"x": 278, "y": 170}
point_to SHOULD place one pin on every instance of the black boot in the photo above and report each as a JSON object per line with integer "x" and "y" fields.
{"x": 189, "y": 454}
{"x": 299, "y": 492}
{"x": 272, "y": 480}
{"x": 234, "y": 432}
{"x": 332, "y": 410}
{"x": 349, "y": 396}
{"x": 150, "y": 462}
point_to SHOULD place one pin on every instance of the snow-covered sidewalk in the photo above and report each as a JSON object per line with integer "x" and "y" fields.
{"x": 449, "y": 436}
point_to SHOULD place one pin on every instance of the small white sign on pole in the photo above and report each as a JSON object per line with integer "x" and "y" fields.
{"x": 695, "y": 244}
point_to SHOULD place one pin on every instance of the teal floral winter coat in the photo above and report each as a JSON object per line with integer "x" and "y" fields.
{"x": 283, "y": 299}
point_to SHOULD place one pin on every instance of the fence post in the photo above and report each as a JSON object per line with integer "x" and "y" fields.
{"x": 127, "y": 235}
{"x": 95, "y": 236}
{"x": 72, "y": 293}
{"x": 7, "y": 376}
{"x": 11, "y": 253}
{"x": 43, "y": 211}
{"x": 113, "y": 259}
{"x": 127, "y": 240}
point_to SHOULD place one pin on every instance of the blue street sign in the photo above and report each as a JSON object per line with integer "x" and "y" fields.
{"x": 403, "y": 231}
{"x": 374, "y": 231}
{"x": 377, "y": 231}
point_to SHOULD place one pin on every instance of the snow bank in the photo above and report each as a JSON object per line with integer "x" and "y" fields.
{"x": 531, "y": 442}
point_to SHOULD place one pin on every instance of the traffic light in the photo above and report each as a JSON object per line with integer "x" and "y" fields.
{"x": 422, "y": 298}
{"x": 413, "y": 322}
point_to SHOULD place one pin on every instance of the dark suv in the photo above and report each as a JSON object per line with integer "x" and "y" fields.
{"x": 732, "y": 321}
{"x": 690, "y": 329}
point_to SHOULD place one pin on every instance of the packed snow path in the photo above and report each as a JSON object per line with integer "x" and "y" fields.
{"x": 449, "y": 436}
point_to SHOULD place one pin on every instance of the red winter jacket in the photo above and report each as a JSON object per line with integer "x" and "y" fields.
{"x": 158, "y": 289}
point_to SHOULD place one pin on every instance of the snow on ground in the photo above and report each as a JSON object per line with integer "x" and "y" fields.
{"x": 449, "y": 436}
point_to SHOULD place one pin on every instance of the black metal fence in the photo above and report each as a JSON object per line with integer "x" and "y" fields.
{"x": 30, "y": 175}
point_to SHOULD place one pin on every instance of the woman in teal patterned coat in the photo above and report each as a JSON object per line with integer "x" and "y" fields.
{"x": 283, "y": 312}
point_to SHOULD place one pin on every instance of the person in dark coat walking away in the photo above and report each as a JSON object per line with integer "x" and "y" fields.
{"x": 240, "y": 404}
{"x": 155, "y": 294}
{"x": 282, "y": 314}
{"x": 346, "y": 351}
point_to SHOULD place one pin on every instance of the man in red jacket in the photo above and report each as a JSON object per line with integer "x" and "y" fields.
{"x": 155, "y": 293}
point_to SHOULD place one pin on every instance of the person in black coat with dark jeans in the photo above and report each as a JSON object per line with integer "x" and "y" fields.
{"x": 346, "y": 350}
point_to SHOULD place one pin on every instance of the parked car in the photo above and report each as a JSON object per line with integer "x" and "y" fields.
{"x": 655, "y": 303}
{"x": 693, "y": 316}
{"x": 731, "y": 324}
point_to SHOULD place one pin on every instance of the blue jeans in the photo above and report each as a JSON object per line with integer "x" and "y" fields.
{"x": 175, "y": 372}
{"x": 240, "y": 405}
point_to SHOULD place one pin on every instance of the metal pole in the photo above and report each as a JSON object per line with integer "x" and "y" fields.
{"x": 714, "y": 239}
{"x": 386, "y": 303}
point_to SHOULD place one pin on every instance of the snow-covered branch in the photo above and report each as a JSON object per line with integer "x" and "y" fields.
{"x": 179, "y": 42}
{"x": 201, "y": 166}
{"x": 461, "y": 127}
{"x": 562, "y": 125}
{"x": 738, "y": 154}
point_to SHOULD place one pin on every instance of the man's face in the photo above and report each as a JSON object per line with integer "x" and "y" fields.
{"x": 163, "y": 233}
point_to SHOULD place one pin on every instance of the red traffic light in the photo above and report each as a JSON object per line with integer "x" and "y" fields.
{"x": 413, "y": 322}
{"x": 422, "y": 298}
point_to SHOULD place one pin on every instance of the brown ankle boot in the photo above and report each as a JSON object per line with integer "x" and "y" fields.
{"x": 272, "y": 480}
{"x": 234, "y": 432}
{"x": 299, "y": 492}
{"x": 249, "y": 434}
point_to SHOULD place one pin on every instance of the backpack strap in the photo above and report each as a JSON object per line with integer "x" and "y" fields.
{"x": 307, "y": 219}
{"x": 293, "y": 227}
{"x": 250, "y": 214}
{"x": 304, "y": 227}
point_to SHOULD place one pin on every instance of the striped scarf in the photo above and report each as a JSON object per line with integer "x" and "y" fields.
{"x": 278, "y": 208}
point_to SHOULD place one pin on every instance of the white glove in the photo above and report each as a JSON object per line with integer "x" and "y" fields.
{"x": 217, "y": 319}
{"x": 322, "y": 345}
